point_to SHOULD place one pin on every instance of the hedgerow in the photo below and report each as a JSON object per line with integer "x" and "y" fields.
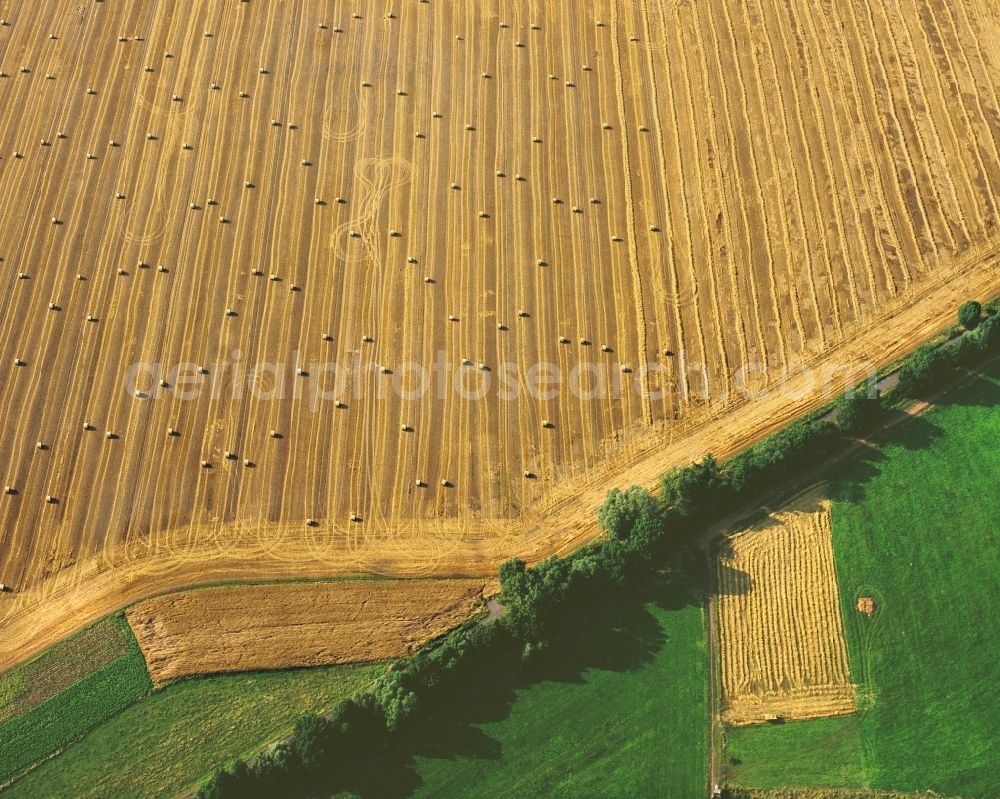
{"x": 637, "y": 527}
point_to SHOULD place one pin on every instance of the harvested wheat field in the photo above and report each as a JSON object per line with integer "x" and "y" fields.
{"x": 282, "y": 625}
{"x": 285, "y": 212}
{"x": 782, "y": 646}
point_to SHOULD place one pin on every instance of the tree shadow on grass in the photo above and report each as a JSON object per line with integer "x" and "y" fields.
{"x": 911, "y": 432}
{"x": 980, "y": 391}
{"x": 848, "y": 481}
{"x": 614, "y": 631}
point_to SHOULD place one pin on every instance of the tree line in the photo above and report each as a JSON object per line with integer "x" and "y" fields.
{"x": 330, "y": 753}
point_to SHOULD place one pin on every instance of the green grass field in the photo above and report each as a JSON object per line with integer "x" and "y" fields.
{"x": 620, "y": 709}
{"x": 803, "y": 754}
{"x": 51, "y": 703}
{"x": 166, "y": 744}
{"x": 915, "y": 526}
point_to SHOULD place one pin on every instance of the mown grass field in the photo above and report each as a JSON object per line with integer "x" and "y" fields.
{"x": 56, "y": 698}
{"x": 915, "y": 527}
{"x": 166, "y": 744}
{"x": 619, "y": 709}
{"x": 814, "y": 752}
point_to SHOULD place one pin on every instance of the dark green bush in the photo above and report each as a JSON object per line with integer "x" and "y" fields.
{"x": 857, "y": 412}
{"x": 396, "y": 696}
{"x": 963, "y": 350}
{"x": 988, "y": 333}
{"x": 313, "y": 742}
{"x": 969, "y": 314}
{"x": 620, "y": 511}
{"x": 769, "y": 462}
{"x": 922, "y": 370}
{"x": 231, "y": 782}
{"x": 691, "y": 490}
